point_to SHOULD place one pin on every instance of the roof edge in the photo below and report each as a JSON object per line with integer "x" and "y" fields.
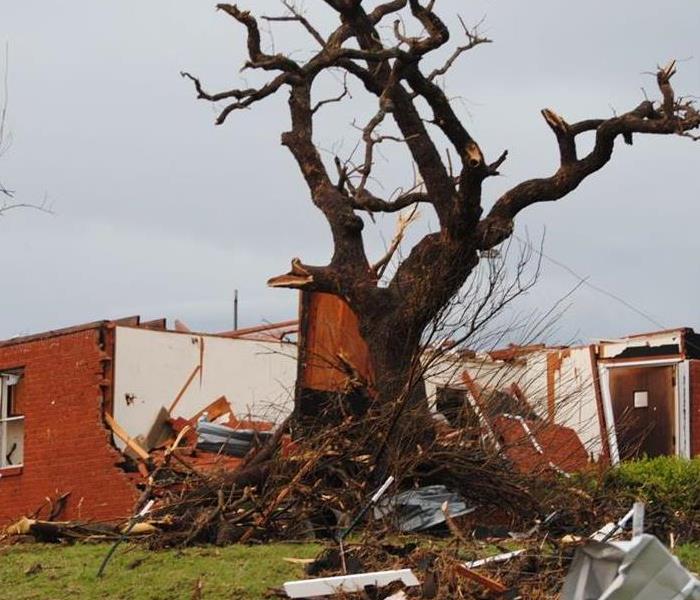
{"x": 35, "y": 337}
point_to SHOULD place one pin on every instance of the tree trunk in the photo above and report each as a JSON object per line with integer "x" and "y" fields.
{"x": 400, "y": 399}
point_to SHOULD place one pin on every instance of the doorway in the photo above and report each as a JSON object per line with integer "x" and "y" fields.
{"x": 643, "y": 402}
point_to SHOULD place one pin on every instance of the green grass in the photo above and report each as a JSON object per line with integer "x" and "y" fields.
{"x": 235, "y": 572}
{"x": 689, "y": 555}
{"x": 240, "y": 572}
{"x": 134, "y": 573}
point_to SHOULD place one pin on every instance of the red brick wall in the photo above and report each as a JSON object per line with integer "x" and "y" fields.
{"x": 66, "y": 446}
{"x": 695, "y": 407}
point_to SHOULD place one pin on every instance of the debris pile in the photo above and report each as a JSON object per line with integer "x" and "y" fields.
{"x": 409, "y": 571}
{"x": 605, "y": 566}
{"x": 312, "y": 486}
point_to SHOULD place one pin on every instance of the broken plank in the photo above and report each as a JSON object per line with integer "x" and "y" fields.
{"x": 300, "y": 561}
{"x": 328, "y": 586}
{"x": 487, "y": 582}
{"x": 124, "y": 437}
{"x": 216, "y": 409}
{"x": 182, "y": 391}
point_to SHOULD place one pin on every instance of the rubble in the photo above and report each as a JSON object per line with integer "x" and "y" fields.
{"x": 509, "y": 479}
{"x": 640, "y": 568}
{"x": 315, "y": 485}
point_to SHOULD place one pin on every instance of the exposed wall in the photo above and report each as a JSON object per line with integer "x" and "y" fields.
{"x": 152, "y": 367}
{"x": 558, "y": 382}
{"x": 66, "y": 446}
{"x": 576, "y": 405}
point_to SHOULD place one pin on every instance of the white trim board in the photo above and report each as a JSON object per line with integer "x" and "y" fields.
{"x": 640, "y": 363}
{"x": 327, "y": 586}
{"x": 683, "y": 442}
{"x": 604, "y": 380}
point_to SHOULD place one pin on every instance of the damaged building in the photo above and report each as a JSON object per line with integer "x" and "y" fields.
{"x": 85, "y": 411}
{"x": 638, "y": 395}
{"x": 72, "y": 399}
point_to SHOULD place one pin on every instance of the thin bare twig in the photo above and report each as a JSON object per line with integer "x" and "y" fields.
{"x": 298, "y": 17}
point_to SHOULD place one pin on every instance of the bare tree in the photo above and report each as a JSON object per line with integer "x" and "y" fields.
{"x": 394, "y": 314}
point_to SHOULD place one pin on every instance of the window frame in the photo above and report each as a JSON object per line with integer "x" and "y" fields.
{"x": 8, "y": 391}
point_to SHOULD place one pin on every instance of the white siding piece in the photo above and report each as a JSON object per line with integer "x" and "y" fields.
{"x": 313, "y": 588}
{"x": 493, "y": 559}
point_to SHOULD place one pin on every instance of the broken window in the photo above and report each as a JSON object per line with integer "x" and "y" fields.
{"x": 455, "y": 407}
{"x": 11, "y": 423}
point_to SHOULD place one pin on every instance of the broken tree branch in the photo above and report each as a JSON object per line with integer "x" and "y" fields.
{"x": 675, "y": 118}
{"x": 405, "y": 220}
{"x": 258, "y": 59}
{"x": 338, "y": 98}
{"x": 473, "y": 40}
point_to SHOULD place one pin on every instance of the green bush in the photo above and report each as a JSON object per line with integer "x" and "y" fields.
{"x": 670, "y": 488}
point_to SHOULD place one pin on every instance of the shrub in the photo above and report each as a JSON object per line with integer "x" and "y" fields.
{"x": 670, "y": 488}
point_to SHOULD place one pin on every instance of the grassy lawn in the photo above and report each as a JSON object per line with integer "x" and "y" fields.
{"x": 689, "y": 555}
{"x": 44, "y": 572}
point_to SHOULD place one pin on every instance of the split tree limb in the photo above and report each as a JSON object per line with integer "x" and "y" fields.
{"x": 677, "y": 118}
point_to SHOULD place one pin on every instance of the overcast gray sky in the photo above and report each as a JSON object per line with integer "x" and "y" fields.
{"x": 160, "y": 213}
